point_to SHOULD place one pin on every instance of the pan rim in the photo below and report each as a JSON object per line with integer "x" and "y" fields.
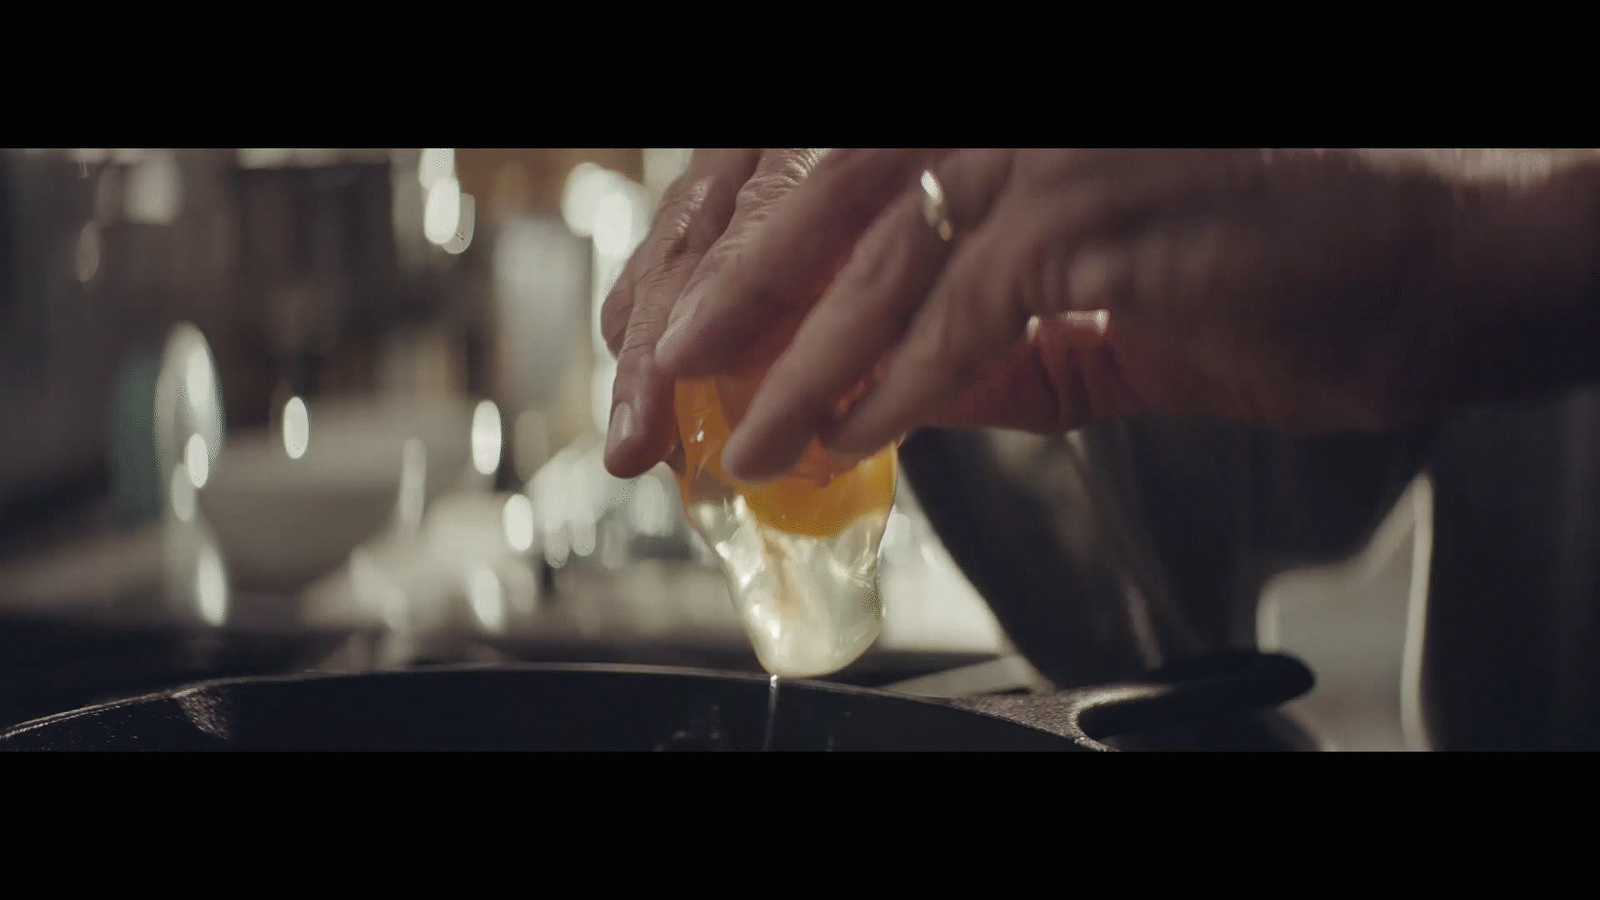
{"x": 572, "y": 668}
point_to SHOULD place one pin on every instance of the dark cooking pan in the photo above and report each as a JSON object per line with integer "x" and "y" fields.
{"x": 594, "y": 707}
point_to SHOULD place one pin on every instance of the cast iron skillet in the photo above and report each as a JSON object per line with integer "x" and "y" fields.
{"x": 577, "y": 707}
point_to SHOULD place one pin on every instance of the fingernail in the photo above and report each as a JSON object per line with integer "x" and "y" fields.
{"x": 739, "y": 468}
{"x": 677, "y": 329}
{"x": 1097, "y": 319}
{"x": 624, "y": 424}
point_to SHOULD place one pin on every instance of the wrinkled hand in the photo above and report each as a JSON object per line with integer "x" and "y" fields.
{"x": 1287, "y": 289}
{"x": 707, "y": 218}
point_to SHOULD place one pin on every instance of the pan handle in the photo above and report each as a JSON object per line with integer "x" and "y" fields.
{"x": 1220, "y": 685}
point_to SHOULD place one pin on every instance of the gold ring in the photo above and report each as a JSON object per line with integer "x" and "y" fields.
{"x": 935, "y": 211}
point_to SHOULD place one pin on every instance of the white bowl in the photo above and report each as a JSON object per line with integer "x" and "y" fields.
{"x": 281, "y": 522}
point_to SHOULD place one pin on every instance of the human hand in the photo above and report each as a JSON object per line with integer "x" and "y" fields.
{"x": 1290, "y": 288}
{"x": 706, "y": 217}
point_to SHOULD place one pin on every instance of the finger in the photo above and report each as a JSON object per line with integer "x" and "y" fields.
{"x": 778, "y": 175}
{"x": 1078, "y": 368}
{"x": 1178, "y": 289}
{"x": 694, "y": 209}
{"x": 1055, "y": 380}
{"x": 1093, "y": 213}
{"x": 865, "y": 310}
{"x": 618, "y": 305}
{"x": 694, "y": 213}
{"x": 1123, "y": 235}
{"x": 977, "y": 311}
{"x": 1174, "y": 276}
{"x": 1048, "y": 169}
{"x": 1022, "y": 264}
{"x": 784, "y": 265}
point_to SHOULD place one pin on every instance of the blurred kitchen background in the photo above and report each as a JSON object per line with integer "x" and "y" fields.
{"x": 275, "y": 410}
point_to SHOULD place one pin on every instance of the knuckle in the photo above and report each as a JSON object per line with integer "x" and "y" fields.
{"x": 654, "y": 298}
{"x": 681, "y": 200}
{"x": 637, "y": 308}
{"x": 883, "y": 258}
{"x": 678, "y": 194}
{"x": 779, "y": 173}
{"x": 696, "y": 232}
{"x": 845, "y": 168}
{"x": 614, "y": 316}
{"x": 658, "y": 291}
{"x": 635, "y": 362}
{"x": 839, "y": 160}
{"x": 636, "y": 339}
{"x": 794, "y": 165}
{"x": 681, "y": 225}
{"x": 617, "y": 309}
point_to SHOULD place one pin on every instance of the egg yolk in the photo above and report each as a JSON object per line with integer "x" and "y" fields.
{"x": 818, "y": 498}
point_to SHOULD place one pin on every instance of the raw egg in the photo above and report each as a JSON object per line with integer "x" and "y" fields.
{"x": 800, "y": 553}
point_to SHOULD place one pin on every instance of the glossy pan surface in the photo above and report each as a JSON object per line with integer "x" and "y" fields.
{"x": 630, "y": 708}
